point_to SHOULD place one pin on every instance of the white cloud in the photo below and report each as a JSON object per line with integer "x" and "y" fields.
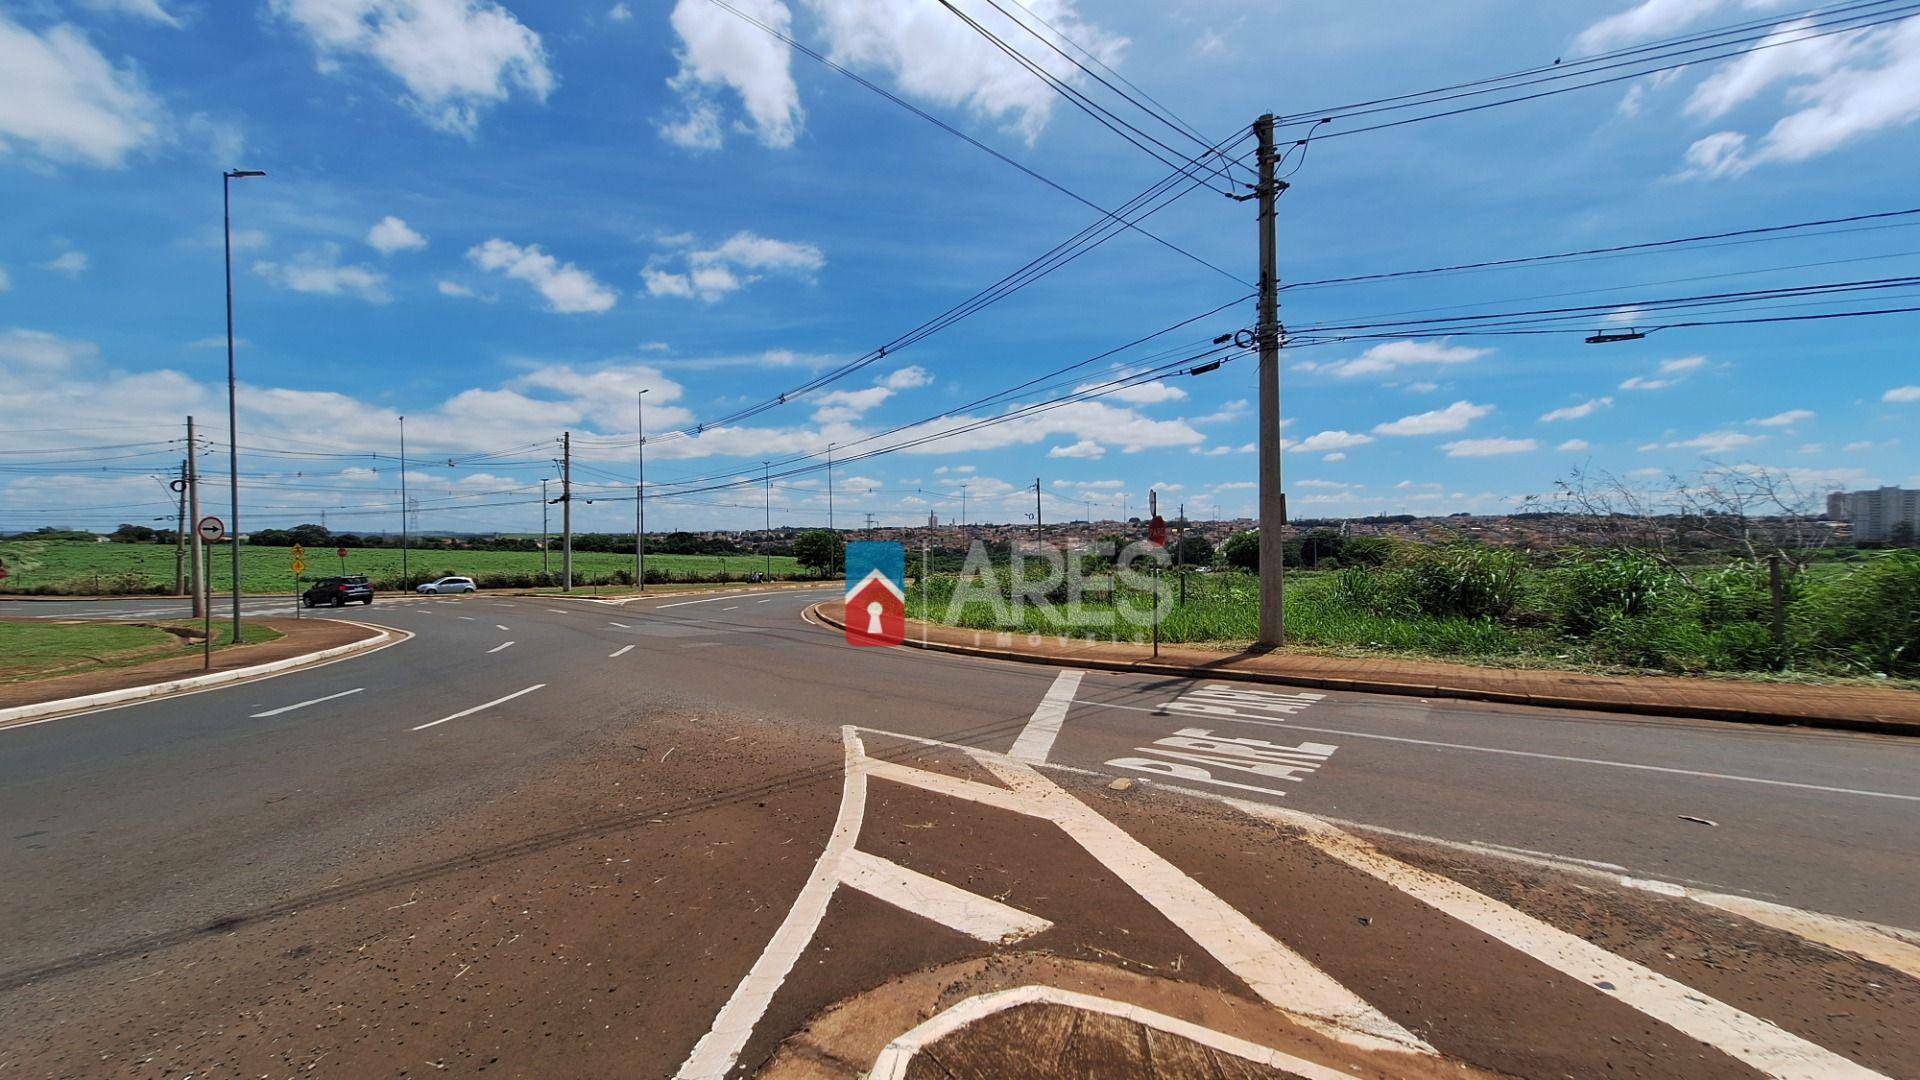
{"x": 911, "y": 377}
{"x": 620, "y": 13}
{"x": 1085, "y": 449}
{"x": 1454, "y": 417}
{"x": 713, "y": 273}
{"x": 455, "y": 289}
{"x": 1638, "y": 382}
{"x": 70, "y": 263}
{"x": 456, "y": 58}
{"x": 720, "y": 49}
{"x": 1391, "y": 356}
{"x": 390, "y": 234}
{"x": 1682, "y": 365}
{"x": 843, "y": 406}
{"x": 1330, "y": 440}
{"x": 1231, "y": 411}
{"x": 1472, "y": 448}
{"x": 39, "y": 350}
{"x": 1575, "y": 446}
{"x": 149, "y": 10}
{"x": 1669, "y": 373}
{"x": 1902, "y": 395}
{"x": 934, "y": 56}
{"x": 319, "y": 271}
{"x": 1644, "y": 21}
{"x": 1843, "y": 88}
{"x": 1147, "y": 393}
{"x": 1335, "y": 457}
{"x": 1421, "y": 387}
{"x": 1717, "y": 442}
{"x": 61, "y": 100}
{"x": 1857, "y": 447}
{"x": 1785, "y": 419}
{"x": 1578, "y": 412}
{"x": 568, "y": 289}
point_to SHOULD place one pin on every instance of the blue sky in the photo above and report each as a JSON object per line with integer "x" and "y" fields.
{"x": 502, "y": 220}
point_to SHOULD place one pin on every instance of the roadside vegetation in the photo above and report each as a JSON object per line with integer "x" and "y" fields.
{"x": 66, "y": 567}
{"x": 41, "y": 649}
{"x": 1604, "y": 609}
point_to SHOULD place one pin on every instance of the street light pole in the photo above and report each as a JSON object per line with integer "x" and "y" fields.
{"x": 766, "y": 495}
{"x": 233, "y": 414}
{"x": 640, "y": 495}
{"x": 830, "y": 488}
{"x": 403, "y": 504}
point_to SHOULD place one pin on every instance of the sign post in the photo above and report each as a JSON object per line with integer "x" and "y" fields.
{"x": 342, "y": 553}
{"x": 210, "y": 530}
{"x": 299, "y": 567}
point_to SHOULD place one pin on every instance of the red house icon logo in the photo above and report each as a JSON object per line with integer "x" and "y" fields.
{"x": 876, "y": 612}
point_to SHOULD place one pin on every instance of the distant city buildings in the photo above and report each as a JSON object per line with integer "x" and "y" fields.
{"x": 1877, "y": 516}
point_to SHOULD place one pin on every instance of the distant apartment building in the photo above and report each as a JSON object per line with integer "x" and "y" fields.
{"x": 1877, "y": 514}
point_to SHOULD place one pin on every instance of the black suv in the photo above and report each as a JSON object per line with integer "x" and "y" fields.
{"x": 338, "y": 591}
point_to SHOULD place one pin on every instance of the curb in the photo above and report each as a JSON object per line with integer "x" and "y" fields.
{"x": 1725, "y": 714}
{"x": 24, "y": 715}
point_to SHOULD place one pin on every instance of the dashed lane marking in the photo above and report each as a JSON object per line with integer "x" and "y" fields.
{"x": 558, "y": 611}
{"x": 768, "y": 600}
{"x": 1037, "y": 738}
{"x": 497, "y": 648}
{"x": 621, "y": 625}
{"x": 711, "y": 599}
{"x": 1534, "y": 754}
{"x": 621, "y": 651}
{"x": 304, "y": 704}
{"x": 498, "y": 626}
{"x": 735, "y": 607}
{"x": 478, "y": 708}
{"x": 468, "y": 618}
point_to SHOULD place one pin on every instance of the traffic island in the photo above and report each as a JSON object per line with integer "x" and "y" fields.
{"x": 1844, "y": 707}
{"x": 176, "y": 667}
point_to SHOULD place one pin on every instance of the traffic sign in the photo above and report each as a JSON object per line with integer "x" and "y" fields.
{"x": 340, "y": 552}
{"x": 211, "y": 529}
{"x": 1157, "y": 531}
{"x": 298, "y": 551}
{"x": 299, "y": 566}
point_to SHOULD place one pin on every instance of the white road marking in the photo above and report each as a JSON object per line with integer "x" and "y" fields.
{"x": 558, "y": 611}
{"x": 497, "y": 626}
{"x": 894, "y": 1060}
{"x": 1535, "y": 754}
{"x": 1756, "y": 1042}
{"x": 768, "y": 600}
{"x": 497, "y": 648}
{"x": 735, "y": 607}
{"x": 477, "y": 708}
{"x": 711, "y": 599}
{"x": 621, "y": 651}
{"x": 1036, "y": 739}
{"x": 717, "y": 1050}
{"x": 468, "y": 618}
{"x": 304, "y": 704}
{"x": 970, "y": 913}
{"x": 621, "y": 625}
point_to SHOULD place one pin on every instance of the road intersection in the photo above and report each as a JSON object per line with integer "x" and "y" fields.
{"x": 1439, "y": 882}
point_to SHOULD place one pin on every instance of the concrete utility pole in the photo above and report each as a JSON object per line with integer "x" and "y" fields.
{"x": 196, "y": 557}
{"x": 1036, "y": 510}
{"x": 963, "y": 507}
{"x": 1273, "y": 499}
{"x": 640, "y": 497}
{"x": 403, "y": 503}
{"x": 830, "y": 487}
{"x": 766, "y": 496}
{"x": 180, "y": 532}
{"x": 546, "y": 564}
{"x": 566, "y": 511}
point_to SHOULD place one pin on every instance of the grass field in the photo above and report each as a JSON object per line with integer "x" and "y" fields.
{"x": 39, "y": 650}
{"x": 78, "y": 567}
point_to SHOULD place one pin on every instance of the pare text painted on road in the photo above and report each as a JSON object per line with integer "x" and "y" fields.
{"x": 1223, "y": 757}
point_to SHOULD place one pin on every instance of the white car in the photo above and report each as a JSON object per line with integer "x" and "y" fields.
{"x": 449, "y": 585}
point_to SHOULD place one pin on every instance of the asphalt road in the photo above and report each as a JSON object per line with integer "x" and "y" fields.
{"x": 128, "y": 825}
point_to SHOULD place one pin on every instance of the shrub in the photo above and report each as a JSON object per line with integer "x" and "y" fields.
{"x": 1867, "y": 619}
{"x": 1461, "y": 582}
{"x": 1597, "y": 590}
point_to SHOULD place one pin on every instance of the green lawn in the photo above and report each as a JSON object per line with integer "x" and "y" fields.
{"x": 80, "y": 567}
{"x": 40, "y": 649}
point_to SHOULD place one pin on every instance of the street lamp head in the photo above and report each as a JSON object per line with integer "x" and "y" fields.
{"x": 242, "y": 174}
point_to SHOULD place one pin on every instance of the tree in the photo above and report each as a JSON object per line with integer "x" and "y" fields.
{"x": 820, "y": 550}
{"x": 1193, "y": 551}
{"x": 1242, "y": 550}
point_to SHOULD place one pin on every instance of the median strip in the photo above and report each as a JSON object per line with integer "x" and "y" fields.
{"x": 480, "y": 708}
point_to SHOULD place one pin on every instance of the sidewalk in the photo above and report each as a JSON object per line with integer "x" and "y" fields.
{"x": 1853, "y": 708}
